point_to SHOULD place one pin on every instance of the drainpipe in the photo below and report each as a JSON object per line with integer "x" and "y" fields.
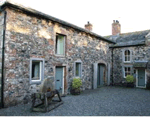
{"x": 112, "y": 68}
{"x": 3, "y": 49}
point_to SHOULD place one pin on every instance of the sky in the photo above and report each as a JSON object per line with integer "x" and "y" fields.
{"x": 133, "y": 15}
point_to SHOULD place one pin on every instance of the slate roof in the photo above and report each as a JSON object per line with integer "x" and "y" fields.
{"x": 129, "y": 39}
{"x": 40, "y": 14}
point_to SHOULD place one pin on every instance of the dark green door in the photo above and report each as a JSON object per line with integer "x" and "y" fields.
{"x": 59, "y": 79}
{"x": 141, "y": 77}
{"x": 100, "y": 75}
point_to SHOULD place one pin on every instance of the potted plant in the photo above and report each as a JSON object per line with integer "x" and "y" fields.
{"x": 75, "y": 86}
{"x": 148, "y": 82}
{"x": 130, "y": 81}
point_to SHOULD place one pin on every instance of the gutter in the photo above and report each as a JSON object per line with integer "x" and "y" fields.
{"x": 121, "y": 46}
{"x": 112, "y": 68}
{"x": 3, "y": 52}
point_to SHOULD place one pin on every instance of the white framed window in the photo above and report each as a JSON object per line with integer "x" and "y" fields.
{"x": 127, "y": 70}
{"x": 127, "y": 55}
{"x": 36, "y": 70}
{"x": 60, "y": 44}
{"x": 78, "y": 69}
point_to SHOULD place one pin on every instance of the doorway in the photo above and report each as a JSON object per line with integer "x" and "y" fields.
{"x": 100, "y": 75}
{"x": 59, "y": 79}
{"x": 141, "y": 78}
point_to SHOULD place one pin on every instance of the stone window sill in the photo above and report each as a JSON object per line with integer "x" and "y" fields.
{"x": 127, "y": 62}
{"x": 57, "y": 55}
{"x": 35, "y": 82}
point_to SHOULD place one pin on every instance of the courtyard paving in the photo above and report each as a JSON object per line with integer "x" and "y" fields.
{"x": 109, "y": 101}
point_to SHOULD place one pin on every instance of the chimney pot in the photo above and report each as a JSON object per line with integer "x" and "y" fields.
{"x": 88, "y": 26}
{"x": 117, "y": 21}
{"x": 116, "y": 27}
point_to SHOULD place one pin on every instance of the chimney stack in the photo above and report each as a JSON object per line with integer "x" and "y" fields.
{"x": 89, "y": 26}
{"x": 116, "y": 27}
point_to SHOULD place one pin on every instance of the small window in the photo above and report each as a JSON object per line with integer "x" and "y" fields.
{"x": 127, "y": 71}
{"x": 60, "y": 44}
{"x": 36, "y": 70}
{"x": 127, "y": 56}
{"x": 78, "y": 70}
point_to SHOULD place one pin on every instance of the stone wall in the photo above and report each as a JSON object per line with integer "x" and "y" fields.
{"x": 139, "y": 53}
{"x": 29, "y": 36}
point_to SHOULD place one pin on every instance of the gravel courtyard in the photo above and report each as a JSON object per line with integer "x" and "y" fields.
{"x": 109, "y": 101}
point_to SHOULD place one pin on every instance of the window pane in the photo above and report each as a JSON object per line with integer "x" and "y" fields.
{"x": 60, "y": 44}
{"x": 36, "y": 70}
{"x": 128, "y": 58}
{"x": 78, "y": 69}
{"x": 125, "y": 58}
{"x": 126, "y": 53}
{"x": 125, "y": 74}
{"x": 129, "y": 69}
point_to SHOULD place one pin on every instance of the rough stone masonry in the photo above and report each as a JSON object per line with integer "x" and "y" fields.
{"x": 28, "y": 36}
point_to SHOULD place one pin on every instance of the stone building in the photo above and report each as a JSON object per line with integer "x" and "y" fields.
{"x": 130, "y": 55}
{"x": 35, "y": 46}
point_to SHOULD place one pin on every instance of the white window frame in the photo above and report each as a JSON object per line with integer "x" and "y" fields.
{"x": 127, "y": 66}
{"x": 58, "y": 46}
{"x": 78, "y": 61}
{"x": 128, "y": 55}
{"x": 41, "y": 60}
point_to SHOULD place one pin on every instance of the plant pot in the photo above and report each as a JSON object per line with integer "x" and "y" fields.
{"x": 130, "y": 85}
{"x": 124, "y": 84}
{"x": 148, "y": 83}
{"x": 75, "y": 91}
{"x": 148, "y": 86}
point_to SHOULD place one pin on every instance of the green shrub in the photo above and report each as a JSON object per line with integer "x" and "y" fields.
{"x": 76, "y": 83}
{"x": 129, "y": 79}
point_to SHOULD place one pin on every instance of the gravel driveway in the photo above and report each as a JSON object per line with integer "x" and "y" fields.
{"x": 103, "y": 101}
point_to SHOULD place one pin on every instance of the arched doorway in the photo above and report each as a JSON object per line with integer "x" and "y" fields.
{"x": 100, "y": 74}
